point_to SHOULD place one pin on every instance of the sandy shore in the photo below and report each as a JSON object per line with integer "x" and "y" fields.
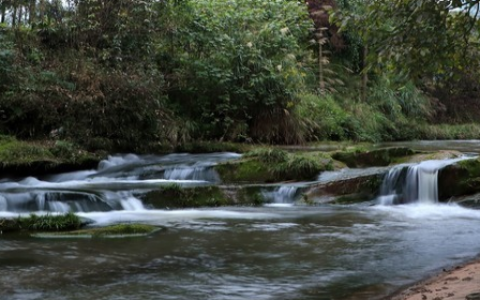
{"x": 459, "y": 283}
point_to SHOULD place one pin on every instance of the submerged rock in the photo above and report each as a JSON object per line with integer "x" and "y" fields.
{"x": 114, "y": 231}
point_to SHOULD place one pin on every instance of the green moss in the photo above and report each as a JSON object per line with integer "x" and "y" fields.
{"x": 269, "y": 155}
{"x": 174, "y": 196}
{"x": 13, "y": 151}
{"x": 245, "y": 170}
{"x": 356, "y": 158}
{"x": 472, "y": 166}
{"x": 274, "y": 165}
{"x": 23, "y": 158}
{"x": 250, "y": 196}
{"x": 460, "y": 179}
{"x": 121, "y": 230}
{"x": 299, "y": 168}
{"x": 64, "y": 222}
{"x": 422, "y": 156}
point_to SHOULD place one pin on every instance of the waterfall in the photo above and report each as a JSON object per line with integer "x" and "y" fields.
{"x": 413, "y": 183}
{"x": 283, "y": 195}
{"x": 114, "y": 185}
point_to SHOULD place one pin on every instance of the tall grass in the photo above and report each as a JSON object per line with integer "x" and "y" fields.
{"x": 393, "y": 110}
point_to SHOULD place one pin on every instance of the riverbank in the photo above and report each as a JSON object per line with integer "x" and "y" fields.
{"x": 458, "y": 283}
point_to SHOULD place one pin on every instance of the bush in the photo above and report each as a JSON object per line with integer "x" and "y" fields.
{"x": 323, "y": 118}
{"x": 236, "y": 66}
{"x": 41, "y": 223}
{"x": 269, "y": 155}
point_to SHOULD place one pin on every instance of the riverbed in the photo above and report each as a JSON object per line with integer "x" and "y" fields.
{"x": 280, "y": 251}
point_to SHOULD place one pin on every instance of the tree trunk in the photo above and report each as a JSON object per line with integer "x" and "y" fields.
{"x": 31, "y": 12}
{"x": 364, "y": 75}
{"x": 14, "y": 16}
{"x": 320, "y": 66}
{"x": 4, "y": 10}
{"x": 20, "y": 15}
{"x": 42, "y": 10}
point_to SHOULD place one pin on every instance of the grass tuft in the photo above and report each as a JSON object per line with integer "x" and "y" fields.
{"x": 68, "y": 221}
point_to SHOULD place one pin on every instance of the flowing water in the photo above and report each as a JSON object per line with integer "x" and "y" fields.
{"x": 281, "y": 251}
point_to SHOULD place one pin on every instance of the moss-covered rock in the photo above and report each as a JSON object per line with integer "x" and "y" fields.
{"x": 114, "y": 231}
{"x": 361, "y": 158}
{"x": 245, "y": 171}
{"x": 33, "y": 222}
{"x": 438, "y": 155}
{"x": 268, "y": 165}
{"x": 174, "y": 196}
{"x": 350, "y": 190}
{"x": 20, "y": 158}
{"x": 459, "y": 179}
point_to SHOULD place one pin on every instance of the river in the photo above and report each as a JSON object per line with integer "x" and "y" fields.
{"x": 362, "y": 251}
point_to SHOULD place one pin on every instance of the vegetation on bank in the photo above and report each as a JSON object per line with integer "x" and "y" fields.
{"x": 69, "y": 225}
{"x": 24, "y": 158}
{"x": 37, "y": 223}
{"x": 158, "y": 75}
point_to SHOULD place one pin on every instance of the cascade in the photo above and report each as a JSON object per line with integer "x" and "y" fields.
{"x": 114, "y": 185}
{"x": 413, "y": 183}
{"x": 284, "y": 194}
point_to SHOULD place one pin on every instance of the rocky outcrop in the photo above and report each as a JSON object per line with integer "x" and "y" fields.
{"x": 171, "y": 197}
{"x": 346, "y": 191}
{"x": 274, "y": 165}
{"x": 359, "y": 158}
{"x": 459, "y": 179}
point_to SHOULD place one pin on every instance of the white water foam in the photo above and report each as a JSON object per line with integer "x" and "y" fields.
{"x": 162, "y": 217}
{"x": 424, "y": 212}
{"x": 283, "y": 196}
{"x": 413, "y": 183}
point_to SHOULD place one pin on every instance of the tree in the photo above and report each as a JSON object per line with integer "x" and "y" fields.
{"x": 421, "y": 39}
{"x": 238, "y": 64}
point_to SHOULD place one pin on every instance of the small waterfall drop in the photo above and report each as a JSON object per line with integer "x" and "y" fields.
{"x": 413, "y": 183}
{"x": 282, "y": 196}
{"x": 113, "y": 186}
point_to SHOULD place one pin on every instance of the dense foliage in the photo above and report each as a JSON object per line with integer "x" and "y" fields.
{"x": 132, "y": 75}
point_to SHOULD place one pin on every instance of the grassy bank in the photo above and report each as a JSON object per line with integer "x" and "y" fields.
{"x": 130, "y": 81}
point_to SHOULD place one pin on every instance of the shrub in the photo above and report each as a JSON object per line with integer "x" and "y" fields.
{"x": 238, "y": 63}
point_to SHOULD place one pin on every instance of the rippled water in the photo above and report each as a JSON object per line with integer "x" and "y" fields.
{"x": 280, "y": 251}
{"x": 355, "y": 252}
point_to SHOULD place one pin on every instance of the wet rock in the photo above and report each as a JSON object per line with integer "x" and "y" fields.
{"x": 359, "y": 158}
{"x": 114, "y": 231}
{"x": 174, "y": 196}
{"x": 473, "y": 296}
{"x": 459, "y": 179}
{"x": 44, "y": 167}
{"x": 439, "y": 155}
{"x": 346, "y": 191}
{"x": 274, "y": 165}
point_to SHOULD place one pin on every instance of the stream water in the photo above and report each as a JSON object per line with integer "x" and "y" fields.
{"x": 278, "y": 251}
